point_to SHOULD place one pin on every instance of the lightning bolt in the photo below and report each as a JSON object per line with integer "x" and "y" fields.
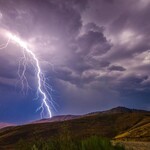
{"x": 43, "y": 87}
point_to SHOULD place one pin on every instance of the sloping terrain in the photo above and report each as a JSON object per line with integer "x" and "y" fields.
{"x": 135, "y": 145}
{"x": 57, "y": 119}
{"x": 118, "y": 124}
{"x": 141, "y": 131}
{"x": 3, "y": 125}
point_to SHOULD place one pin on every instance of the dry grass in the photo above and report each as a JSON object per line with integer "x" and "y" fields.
{"x": 136, "y": 124}
{"x": 138, "y": 133}
{"x": 135, "y": 145}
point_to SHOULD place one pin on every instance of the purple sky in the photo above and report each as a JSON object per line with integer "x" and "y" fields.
{"x": 96, "y": 53}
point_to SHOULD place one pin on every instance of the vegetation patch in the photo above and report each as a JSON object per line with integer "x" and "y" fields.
{"x": 66, "y": 143}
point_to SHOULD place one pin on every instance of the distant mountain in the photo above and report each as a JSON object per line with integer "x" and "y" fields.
{"x": 123, "y": 110}
{"x": 70, "y": 117}
{"x": 118, "y": 109}
{"x": 57, "y": 119}
{"x": 3, "y": 125}
{"x": 118, "y": 123}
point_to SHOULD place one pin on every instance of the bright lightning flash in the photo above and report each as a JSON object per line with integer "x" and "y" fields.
{"x": 43, "y": 87}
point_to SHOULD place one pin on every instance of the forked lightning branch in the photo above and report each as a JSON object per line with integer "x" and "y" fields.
{"x": 43, "y": 88}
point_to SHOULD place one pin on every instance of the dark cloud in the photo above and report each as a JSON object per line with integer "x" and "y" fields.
{"x": 116, "y": 68}
{"x": 94, "y": 42}
{"x": 132, "y": 83}
{"x": 92, "y": 27}
{"x": 98, "y": 50}
{"x": 98, "y": 64}
{"x": 44, "y": 16}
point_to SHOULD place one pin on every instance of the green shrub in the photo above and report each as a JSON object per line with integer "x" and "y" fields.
{"x": 96, "y": 143}
{"x": 34, "y": 147}
{"x": 91, "y": 143}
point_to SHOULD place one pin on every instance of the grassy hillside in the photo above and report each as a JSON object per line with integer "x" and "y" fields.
{"x": 142, "y": 132}
{"x": 130, "y": 124}
{"x": 65, "y": 142}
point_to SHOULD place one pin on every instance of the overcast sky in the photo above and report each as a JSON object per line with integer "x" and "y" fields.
{"x": 96, "y": 54}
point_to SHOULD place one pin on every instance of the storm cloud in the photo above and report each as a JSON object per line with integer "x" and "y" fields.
{"x": 96, "y": 53}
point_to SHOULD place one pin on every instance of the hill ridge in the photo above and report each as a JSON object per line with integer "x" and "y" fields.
{"x": 133, "y": 125}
